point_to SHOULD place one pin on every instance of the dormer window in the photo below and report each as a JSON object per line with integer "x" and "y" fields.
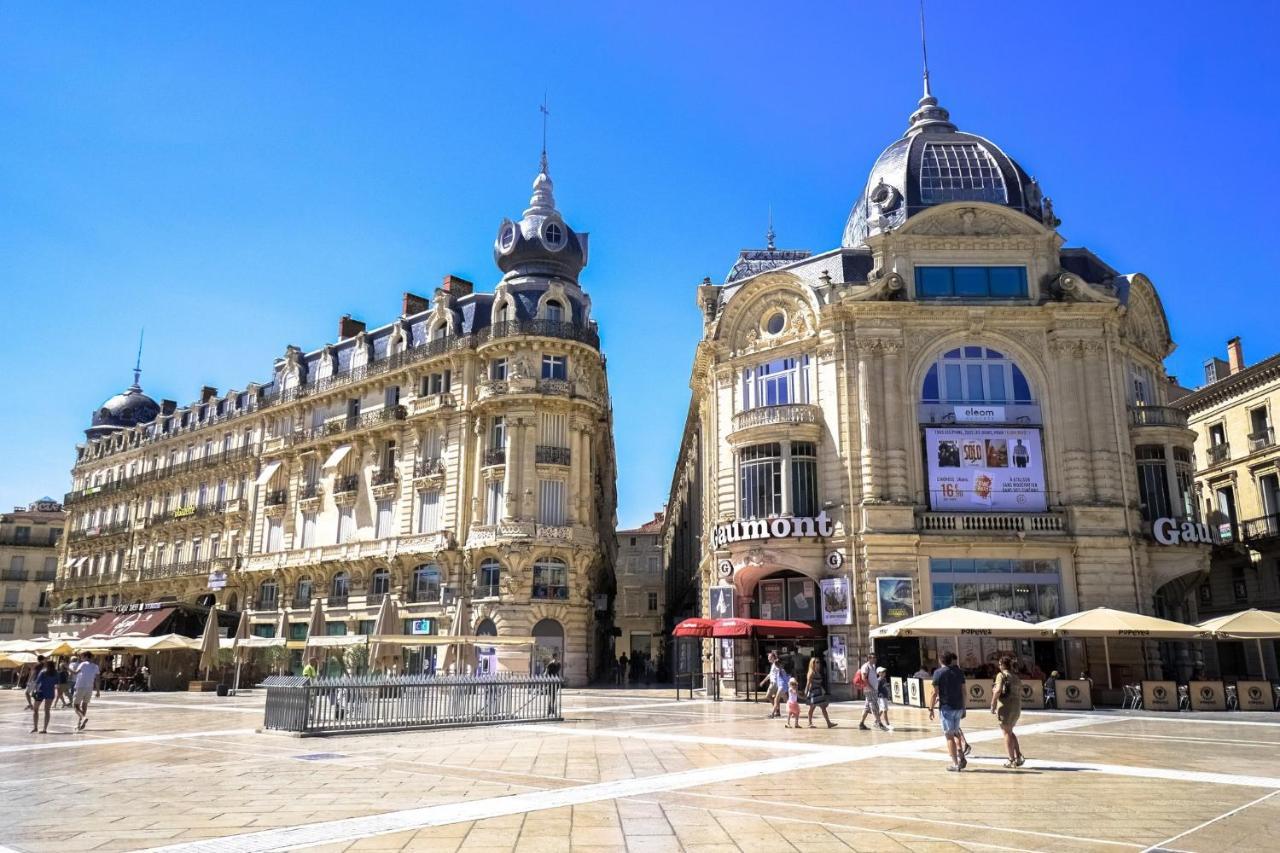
{"x": 555, "y": 311}
{"x": 554, "y": 235}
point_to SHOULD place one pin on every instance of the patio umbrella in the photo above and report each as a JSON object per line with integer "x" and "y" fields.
{"x": 15, "y": 659}
{"x": 1251, "y": 624}
{"x": 242, "y": 634}
{"x": 458, "y": 629}
{"x": 315, "y": 628}
{"x": 388, "y": 623}
{"x": 209, "y": 643}
{"x": 954, "y": 621}
{"x": 694, "y": 626}
{"x": 1105, "y": 623}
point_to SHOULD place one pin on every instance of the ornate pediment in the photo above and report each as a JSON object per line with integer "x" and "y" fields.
{"x": 975, "y": 221}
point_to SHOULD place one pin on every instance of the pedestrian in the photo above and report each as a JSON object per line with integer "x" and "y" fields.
{"x": 776, "y": 678}
{"x": 553, "y": 671}
{"x": 33, "y": 670}
{"x": 86, "y": 677}
{"x": 793, "y": 703}
{"x": 867, "y": 679}
{"x": 1051, "y": 690}
{"x": 883, "y": 694}
{"x": 45, "y": 688}
{"x": 309, "y": 671}
{"x": 816, "y": 693}
{"x": 64, "y": 675}
{"x": 622, "y": 669}
{"x": 1006, "y": 704}
{"x": 948, "y": 696}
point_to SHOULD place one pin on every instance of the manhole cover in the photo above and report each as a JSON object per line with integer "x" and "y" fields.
{"x": 319, "y": 756}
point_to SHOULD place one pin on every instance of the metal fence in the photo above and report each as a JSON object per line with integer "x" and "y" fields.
{"x": 372, "y": 703}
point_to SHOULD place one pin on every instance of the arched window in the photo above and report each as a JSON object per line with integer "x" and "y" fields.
{"x": 488, "y": 579}
{"x": 233, "y": 603}
{"x": 340, "y": 587}
{"x": 974, "y": 374}
{"x": 302, "y": 593}
{"x": 380, "y": 583}
{"x": 268, "y": 595}
{"x": 548, "y": 636}
{"x": 426, "y": 583}
{"x": 555, "y": 311}
{"x": 550, "y": 579}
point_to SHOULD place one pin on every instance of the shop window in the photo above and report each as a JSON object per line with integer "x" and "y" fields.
{"x": 804, "y": 479}
{"x": 1027, "y": 590}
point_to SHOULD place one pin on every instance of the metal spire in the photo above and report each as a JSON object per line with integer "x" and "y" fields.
{"x": 137, "y": 365}
{"x": 928, "y": 115}
{"x": 769, "y": 235}
{"x": 546, "y": 113}
{"x": 924, "y": 51}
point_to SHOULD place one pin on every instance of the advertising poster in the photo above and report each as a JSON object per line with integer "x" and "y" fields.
{"x": 985, "y": 469}
{"x": 970, "y": 652}
{"x": 802, "y": 595}
{"x": 837, "y": 601}
{"x": 897, "y": 598}
{"x": 838, "y": 659}
{"x": 722, "y": 602}
{"x": 726, "y": 657}
{"x": 772, "y": 605}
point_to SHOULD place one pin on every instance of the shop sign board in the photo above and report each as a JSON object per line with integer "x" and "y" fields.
{"x": 1032, "y": 694}
{"x": 977, "y": 693}
{"x": 1254, "y": 695}
{"x": 1160, "y": 695}
{"x": 980, "y": 414}
{"x": 773, "y": 603}
{"x": 1172, "y": 531}
{"x": 773, "y": 528}
{"x": 985, "y": 469}
{"x": 217, "y": 580}
{"x": 837, "y": 601}
{"x": 420, "y": 627}
{"x": 1207, "y": 696}
{"x": 897, "y": 690}
{"x": 896, "y": 598}
{"x": 726, "y": 658}
{"x": 722, "y": 602}
{"x": 1074, "y": 695}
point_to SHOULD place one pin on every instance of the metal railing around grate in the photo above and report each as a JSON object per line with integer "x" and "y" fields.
{"x": 372, "y": 703}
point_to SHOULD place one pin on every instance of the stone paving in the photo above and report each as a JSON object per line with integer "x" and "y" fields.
{"x": 632, "y": 771}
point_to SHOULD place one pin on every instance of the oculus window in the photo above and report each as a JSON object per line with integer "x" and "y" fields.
{"x": 971, "y": 282}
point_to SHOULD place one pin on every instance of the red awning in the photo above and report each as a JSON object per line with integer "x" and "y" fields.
{"x": 695, "y": 626}
{"x": 763, "y": 628}
{"x": 138, "y": 622}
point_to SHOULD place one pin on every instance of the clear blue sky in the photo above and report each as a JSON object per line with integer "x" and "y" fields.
{"x": 235, "y": 177}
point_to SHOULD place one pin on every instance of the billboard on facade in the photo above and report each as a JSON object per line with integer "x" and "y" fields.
{"x": 985, "y": 469}
{"x": 896, "y": 598}
{"x": 837, "y": 601}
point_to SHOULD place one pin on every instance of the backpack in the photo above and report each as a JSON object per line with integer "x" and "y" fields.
{"x": 860, "y": 680}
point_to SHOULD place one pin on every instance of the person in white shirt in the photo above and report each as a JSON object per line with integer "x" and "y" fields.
{"x": 86, "y": 673}
{"x": 872, "y": 692}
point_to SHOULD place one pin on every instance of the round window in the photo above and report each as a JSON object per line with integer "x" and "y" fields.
{"x": 775, "y": 323}
{"x": 508, "y": 236}
{"x": 554, "y": 235}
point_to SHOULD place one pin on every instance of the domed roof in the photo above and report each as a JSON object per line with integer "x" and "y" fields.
{"x": 541, "y": 243}
{"x": 934, "y": 163}
{"x": 126, "y": 409}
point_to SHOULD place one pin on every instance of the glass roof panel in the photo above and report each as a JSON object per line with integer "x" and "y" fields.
{"x": 960, "y": 171}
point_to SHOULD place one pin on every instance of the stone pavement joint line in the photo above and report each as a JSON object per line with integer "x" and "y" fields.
{"x": 86, "y": 739}
{"x": 353, "y": 829}
{"x": 1163, "y": 847}
{"x": 1128, "y": 770}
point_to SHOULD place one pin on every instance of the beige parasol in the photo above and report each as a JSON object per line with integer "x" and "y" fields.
{"x": 1106, "y": 623}
{"x": 385, "y": 655}
{"x": 953, "y": 621}
{"x": 459, "y": 652}
{"x": 315, "y": 630}
{"x": 209, "y": 643}
{"x": 241, "y": 652}
{"x": 1251, "y": 624}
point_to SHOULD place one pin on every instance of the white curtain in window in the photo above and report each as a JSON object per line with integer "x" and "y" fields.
{"x": 383, "y": 528}
{"x": 493, "y": 502}
{"x": 429, "y": 511}
{"x": 308, "y": 530}
{"x": 346, "y": 523}
{"x": 551, "y": 502}
{"x": 275, "y": 534}
{"x": 555, "y": 430}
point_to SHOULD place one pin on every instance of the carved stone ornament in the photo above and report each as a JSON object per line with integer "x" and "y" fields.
{"x": 967, "y": 222}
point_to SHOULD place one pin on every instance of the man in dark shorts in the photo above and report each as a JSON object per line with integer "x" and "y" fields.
{"x": 948, "y": 694}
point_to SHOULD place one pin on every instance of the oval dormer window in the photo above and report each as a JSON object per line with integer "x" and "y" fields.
{"x": 554, "y": 235}
{"x": 508, "y": 236}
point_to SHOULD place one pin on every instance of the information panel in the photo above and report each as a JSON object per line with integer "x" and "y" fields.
{"x": 985, "y": 469}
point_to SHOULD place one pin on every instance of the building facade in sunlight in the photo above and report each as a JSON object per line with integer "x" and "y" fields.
{"x": 459, "y": 459}
{"x": 30, "y": 538}
{"x": 950, "y": 408}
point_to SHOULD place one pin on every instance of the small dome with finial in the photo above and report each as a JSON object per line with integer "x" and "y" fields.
{"x": 127, "y": 409}
{"x": 541, "y": 243}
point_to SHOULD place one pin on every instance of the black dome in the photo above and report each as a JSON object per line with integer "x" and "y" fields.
{"x": 126, "y": 409}
{"x": 541, "y": 243}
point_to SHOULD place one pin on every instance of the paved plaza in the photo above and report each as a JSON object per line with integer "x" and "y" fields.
{"x": 632, "y": 771}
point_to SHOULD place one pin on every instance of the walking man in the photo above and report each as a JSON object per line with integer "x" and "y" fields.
{"x": 870, "y": 683}
{"x": 948, "y": 694}
{"x": 553, "y": 671}
{"x": 1006, "y": 704}
{"x": 86, "y": 673}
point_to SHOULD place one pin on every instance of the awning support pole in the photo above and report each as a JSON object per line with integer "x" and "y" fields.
{"x": 1106, "y": 650}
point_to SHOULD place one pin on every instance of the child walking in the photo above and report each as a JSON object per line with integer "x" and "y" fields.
{"x": 793, "y": 704}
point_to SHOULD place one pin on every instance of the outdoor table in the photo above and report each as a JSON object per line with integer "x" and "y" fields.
{"x": 1254, "y": 696}
{"x": 1160, "y": 695}
{"x": 1207, "y": 696}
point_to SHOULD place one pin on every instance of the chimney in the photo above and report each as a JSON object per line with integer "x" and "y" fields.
{"x": 168, "y": 407}
{"x": 456, "y": 287}
{"x": 207, "y": 393}
{"x": 348, "y": 328}
{"x": 1235, "y": 355}
{"x": 414, "y": 304}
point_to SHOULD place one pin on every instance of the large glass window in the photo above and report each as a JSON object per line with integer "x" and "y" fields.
{"x": 426, "y": 583}
{"x": 960, "y": 171}
{"x": 776, "y": 383}
{"x": 971, "y": 282}
{"x": 380, "y": 582}
{"x": 554, "y": 367}
{"x": 429, "y": 511}
{"x": 493, "y": 504}
{"x": 268, "y": 594}
{"x": 341, "y": 586}
{"x": 488, "y": 579}
{"x": 302, "y": 593}
{"x": 1153, "y": 482}
{"x": 760, "y": 474}
{"x": 551, "y": 502}
{"x": 550, "y": 579}
{"x": 1028, "y": 590}
{"x": 974, "y": 374}
{"x": 804, "y": 479}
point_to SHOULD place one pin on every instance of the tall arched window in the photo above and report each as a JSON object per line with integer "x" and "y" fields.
{"x": 426, "y": 583}
{"x": 975, "y": 374}
{"x": 550, "y": 579}
{"x": 340, "y": 587}
{"x": 302, "y": 593}
{"x": 488, "y": 579}
{"x": 380, "y": 582}
{"x": 268, "y": 595}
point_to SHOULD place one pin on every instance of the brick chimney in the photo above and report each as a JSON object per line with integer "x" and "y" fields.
{"x": 414, "y": 304}
{"x": 1235, "y": 355}
{"x": 348, "y": 328}
{"x": 455, "y": 286}
{"x": 207, "y": 393}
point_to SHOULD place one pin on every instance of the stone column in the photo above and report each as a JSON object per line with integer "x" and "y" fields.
{"x": 528, "y": 466}
{"x": 573, "y": 488}
{"x": 895, "y": 421}
{"x": 869, "y": 420}
{"x": 510, "y": 483}
{"x": 787, "y": 508}
{"x": 1102, "y": 452}
{"x": 584, "y": 481}
{"x": 1075, "y": 486}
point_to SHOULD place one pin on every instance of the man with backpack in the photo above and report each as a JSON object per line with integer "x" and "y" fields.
{"x": 868, "y": 682}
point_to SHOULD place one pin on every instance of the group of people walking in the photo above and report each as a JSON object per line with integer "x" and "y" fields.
{"x": 781, "y": 684}
{"x": 47, "y": 683}
{"x": 949, "y": 699}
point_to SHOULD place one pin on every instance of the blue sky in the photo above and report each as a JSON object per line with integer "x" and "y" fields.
{"x": 236, "y": 177}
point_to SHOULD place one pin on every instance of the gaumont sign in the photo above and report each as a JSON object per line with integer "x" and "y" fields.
{"x": 1171, "y": 531}
{"x": 773, "y": 528}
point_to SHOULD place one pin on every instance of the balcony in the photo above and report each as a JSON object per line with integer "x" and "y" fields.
{"x": 213, "y": 460}
{"x": 428, "y": 594}
{"x": 433, "y": 467}
{"x": 801, "y": 415}
{"x": 385, "y": 482}
{"x": 546, "y": 455}
{"x": 337, "y": 600}
{"x": 277, "y": 497}
{"x": 1262, "y": 439}
{"x": 567, "y": 331}
{"x": 28, "y": 542}
{"x": 346, "y": 483}
{"x": 495, "y": 456}
{"x": 187, "y": 569}
{"x": 1020, "y": 523}
{"x": 1219, "y": 453}
{"x": 550, "y": 593}
{"x": 112, "y": 529}
{"x": 19, "y": 575}
{"x": 1164, "y": 416}
{"x": 486, "y": 590}
{"x": 1261, "y": 529}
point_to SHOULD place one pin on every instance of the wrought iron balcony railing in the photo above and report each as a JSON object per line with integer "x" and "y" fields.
{"x": 1219, "y": 453}
{"x": 1261, "y": 439}
{"x": 1157, "y": 416}
{"x": 546, "y": 455}
{"x": 495, "y": 456}
{"x": 346, "y": 483}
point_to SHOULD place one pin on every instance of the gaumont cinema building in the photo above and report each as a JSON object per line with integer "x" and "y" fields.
{"x": 949, "y": 408}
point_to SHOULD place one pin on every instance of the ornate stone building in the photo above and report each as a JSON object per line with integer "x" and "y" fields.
{"x": 30, "y": 537}
{"x": 459, "y": 458}
{"x": 639, "y": 604}
{"x": 950, "y": 408}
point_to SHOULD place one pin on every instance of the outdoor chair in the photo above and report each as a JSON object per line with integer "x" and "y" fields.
{"x": 1233, "y": 700}
{"x": 1184, "y": 697}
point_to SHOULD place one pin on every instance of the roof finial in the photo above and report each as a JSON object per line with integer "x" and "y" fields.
{"x": 924, "y": 51}
{"x": 137, "y": 365}
{"x": 546, "y": 113}
{"x": 769, "y": 235}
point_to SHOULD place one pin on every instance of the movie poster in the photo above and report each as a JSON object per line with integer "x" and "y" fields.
{"x": 897, "y": 599}
{"x": 985, "y": 469}
{"x": 837, "y": 601}
{"x": 838, "y": 659}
